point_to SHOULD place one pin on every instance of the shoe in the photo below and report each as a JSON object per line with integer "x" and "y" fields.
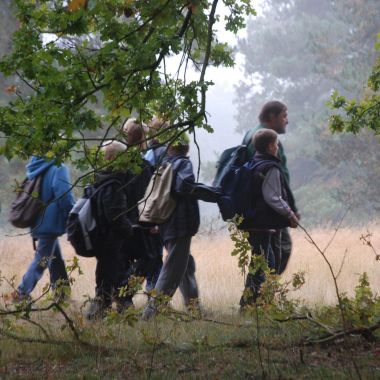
{"x": 97, "y": 310}
{"x": 18, "y": 297}
{"x": 149, "y": 312}
{"x": 195, "y": 309}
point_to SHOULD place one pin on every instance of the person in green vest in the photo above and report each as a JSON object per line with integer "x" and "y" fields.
{"x": 274, "y": 115}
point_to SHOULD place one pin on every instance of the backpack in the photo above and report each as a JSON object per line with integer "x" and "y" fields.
{"x": 27, "y": 206}
{"x": 236, "y": 188}
{"x": 231, "y": 157}
{"x": 83, "y": 229}
{"x": 157, "y": 205}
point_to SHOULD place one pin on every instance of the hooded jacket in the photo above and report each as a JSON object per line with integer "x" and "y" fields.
{"x": 111, "y": 203}
{"x": 56, "y": 192}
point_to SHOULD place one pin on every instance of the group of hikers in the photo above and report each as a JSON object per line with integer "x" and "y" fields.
{"x": 127, "y": 248}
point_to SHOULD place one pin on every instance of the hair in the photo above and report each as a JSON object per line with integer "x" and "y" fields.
{"x": 178, "y": 150}
{"x": 134, "y": 131}
{"x": 112, "y": 148}
{"x": 262, "y": 138}
{"x": 157, "y": 123}
{"x": 273, "y": 107}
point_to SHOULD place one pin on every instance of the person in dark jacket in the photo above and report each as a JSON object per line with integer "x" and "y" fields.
{"x": 111, "y": 204}
{"x": 274, "y": 207}
{"x": 179, "y": 267}
{"x": 56, "y": 193}
{"x": 274, "y": 115}
{"x": 143, "y": 250}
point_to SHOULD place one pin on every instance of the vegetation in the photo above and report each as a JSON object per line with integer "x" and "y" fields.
{"x": 78, "y": 69}
{"x": 279, "y": 338}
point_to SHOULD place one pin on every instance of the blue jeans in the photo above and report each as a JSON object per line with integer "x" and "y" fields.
{"x": 261, "y": 245}
{"x": 48, "y": 255}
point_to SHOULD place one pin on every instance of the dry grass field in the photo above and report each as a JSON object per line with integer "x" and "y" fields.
{"x": 220, "y": 280}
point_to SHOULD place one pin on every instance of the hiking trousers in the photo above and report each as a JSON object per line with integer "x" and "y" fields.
{"x": 282, "y": 249}
{"x": 47, "y": 255}
{"x": 178, "y": 271}
{"x": 261, "y": 245}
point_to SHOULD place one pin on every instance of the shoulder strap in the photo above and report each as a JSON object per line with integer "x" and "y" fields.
{"x": 247, "y": 137}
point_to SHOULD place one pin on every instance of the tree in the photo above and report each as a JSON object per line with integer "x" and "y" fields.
{"x": 86, "y": 66}
{"x": 359, "y": 114}
{"x": 8, "y": 25}
{"x": 299, "y": 52}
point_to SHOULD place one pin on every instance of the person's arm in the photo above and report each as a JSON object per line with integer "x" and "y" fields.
{"x": 184, "y": 178}
{"x": 271, "y": 189}
{"x": 62, "y": 189}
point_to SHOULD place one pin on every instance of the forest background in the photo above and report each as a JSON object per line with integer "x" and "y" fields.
{"x": 298, "y": 52}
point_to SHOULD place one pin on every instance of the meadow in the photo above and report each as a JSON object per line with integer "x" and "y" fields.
{"x": 224, "y": 345}
{"x": 220, "y": 280}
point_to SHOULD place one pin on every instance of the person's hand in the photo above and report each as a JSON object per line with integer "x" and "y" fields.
{"x": 298, "y": 215}
{"x": 154, "y": 230}
{"x": 293, "y": 221}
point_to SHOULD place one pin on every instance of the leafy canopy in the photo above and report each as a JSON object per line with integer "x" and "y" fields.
{"x": 83, "y": 67}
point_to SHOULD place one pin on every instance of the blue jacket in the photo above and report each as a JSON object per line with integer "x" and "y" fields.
{"x": 55, "y": 183}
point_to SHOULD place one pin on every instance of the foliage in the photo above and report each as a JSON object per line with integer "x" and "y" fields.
{"x": 83, "y": 68}
{"x": 355, "y": 114}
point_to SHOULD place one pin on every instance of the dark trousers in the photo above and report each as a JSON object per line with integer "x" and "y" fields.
{"x": 282, "y": 248}
{"x": 152, "y": 276}
{"x": 142, "y": 258}
{"x": 261, "y": 245}
{"x": 110, "y": 267}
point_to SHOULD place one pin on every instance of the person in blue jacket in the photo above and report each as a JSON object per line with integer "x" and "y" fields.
{"x": 56, "y": 193}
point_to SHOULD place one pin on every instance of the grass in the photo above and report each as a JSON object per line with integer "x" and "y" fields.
{"x": 172, "y": 348}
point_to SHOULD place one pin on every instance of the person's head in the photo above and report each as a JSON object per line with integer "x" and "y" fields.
{"x": 274, "y": 115}
{"x": 265, "y": 141}
{"x": 179, "y": 147}
{"x": 135, "y": 132}
{"x": 112, "y": 149}
{"x": 154, "y": 126}
{"x": 157, "y": 123}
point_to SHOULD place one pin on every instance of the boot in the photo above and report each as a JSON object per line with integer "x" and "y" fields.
{"x": 98, "y": 309}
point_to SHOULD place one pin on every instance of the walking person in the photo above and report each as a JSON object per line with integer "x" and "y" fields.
{"x": 274, "y": 116}
{"x": 179, "y": 267}
{"x": 143, "y": 250}
{"x": 273, "y": 208}
{"x": 110, "y": 204}
{"x": 56, "y": 193}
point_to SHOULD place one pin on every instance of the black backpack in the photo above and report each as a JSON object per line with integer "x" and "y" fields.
{"x": 236, "y": 188}
{"x": 27, "y": 206}
{"x": 84, "y": 229}
{"x": 232, "y": 157}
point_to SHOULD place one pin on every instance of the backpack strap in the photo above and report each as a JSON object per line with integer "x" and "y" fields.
{"x": 247, "y": 137}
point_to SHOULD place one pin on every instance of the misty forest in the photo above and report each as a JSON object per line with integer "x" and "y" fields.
{"x": 73, "y": 72}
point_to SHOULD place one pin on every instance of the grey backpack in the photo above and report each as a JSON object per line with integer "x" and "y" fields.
{"x": 27, "y": 206}
{"x": 157, "y": 205}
